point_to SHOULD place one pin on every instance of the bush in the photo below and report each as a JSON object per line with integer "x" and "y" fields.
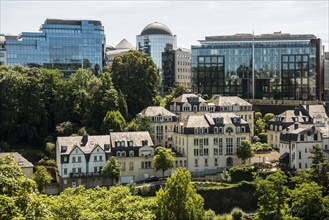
{"x": 209, "y": 215}
{"x": 240, "y": 173}
{"x": 237, "y": 213}
{"x": 255, "y": 139}
{"x": 263, "y": 137}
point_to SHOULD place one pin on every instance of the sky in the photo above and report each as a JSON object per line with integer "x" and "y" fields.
{"x": 189, "y": 20}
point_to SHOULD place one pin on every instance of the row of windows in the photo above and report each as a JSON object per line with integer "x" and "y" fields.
{"x": 123, "y": 153}
{"x": 229, "y": 162}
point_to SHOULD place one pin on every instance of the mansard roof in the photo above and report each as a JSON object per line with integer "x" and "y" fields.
{"x": 230, "y": 100}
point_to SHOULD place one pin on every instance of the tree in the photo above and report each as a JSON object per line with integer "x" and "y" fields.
{"x": 136, "y": 76}
{"x": 163, "y": 159}
{"x": 268, "y": 117}
{"x": 113, "y": 121}
{"x": 307, "y": 201}
{"x": 273, "y": 195}
{"x": 244, "y": 151}
{"x": 178, "y": 200}
{"x": 179, "y": 89}
{"x": 319, "y": 168}
{"x": 41, "y": 177}
{"x": 111, "y": 169}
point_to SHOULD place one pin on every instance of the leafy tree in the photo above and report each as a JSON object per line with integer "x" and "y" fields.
{"x": 51, "y": 149}
{"x": 319, "y": 168}
{"x": 158, "y": 101}
{"x": 178, "y": 199}
{"x": 241, "y": 173}
{"x": 66, "y": 128}
{"x": 273, "y": 195}
{"x": 268, "y": 117}
{"x": 179, "y": 89}
{"x": 41, "y": 177}
{"x": 244, "y": 151}
{"x": 258, "y": 115}
{"x": 307, "y": 201}
{"x": 111, "y": 169}
{"x": 136, "y": 76}
{"x": 113, "y": 120}
{"x": 163, "y": 159}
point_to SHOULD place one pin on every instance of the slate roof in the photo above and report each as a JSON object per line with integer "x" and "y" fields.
{"x": 184, "y": 98}
{"x": 135, "y": 136}
{"x": 314, "y": 110}
{"x": 22, "y": 161}
{"x": 229, "y": 101}
{"x": 124, "y": 44}
{"x": 228, "y": 117}
{"x": 155, "y": 111}
{"x": 85, "y": 143}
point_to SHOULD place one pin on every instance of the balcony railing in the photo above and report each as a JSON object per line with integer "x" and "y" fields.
{"x": 86, "y": 174}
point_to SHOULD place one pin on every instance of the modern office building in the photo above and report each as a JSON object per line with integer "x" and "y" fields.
{"x": 267, "y": 66}
{"x": 3, "y": 53}
{"x": 326, "y": 76}
{"x": 62, "y": 44}
{"x": 176, "y": 67}
{"x": 153, "y": 40}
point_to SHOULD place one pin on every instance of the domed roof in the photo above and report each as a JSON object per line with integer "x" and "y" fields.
{"x": 156, "y": 28}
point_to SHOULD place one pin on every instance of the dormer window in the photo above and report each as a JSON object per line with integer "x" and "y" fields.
{"x": 216, "y": 130}
{"x": 243, "y": 129}
{"x": 131, "y": 153}
{"x": 130, "y": 143}
{"x": 220, "y": 130}
{"x": 144, "y": 143}
{"x": 122, "y": 143}
{"x": 229, "y": 130}
{"x": 63, "y": 149}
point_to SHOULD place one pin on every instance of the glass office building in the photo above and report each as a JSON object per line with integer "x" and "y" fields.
{"x": 153, "y": 40}
{"x": 281, "y": 66}
{"x": 62, "y": 44}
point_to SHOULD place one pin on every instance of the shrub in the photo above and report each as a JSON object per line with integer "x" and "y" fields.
{"x": 240, "y": 173}
{"x": 263, "y": 137}
{"x": 209, "y": 215}
{"x": 237, "y": 214}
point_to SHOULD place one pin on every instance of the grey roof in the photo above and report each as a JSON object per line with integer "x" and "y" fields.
{"x": 156, "y": 28}
{"x": 155, "y": 111}
{"x": 249, "y": 37}
{"x": 289, "y": 115}
{"x": 22, "y": 161}
{"x": 183, "y": 98}
{"x": 135, "y": 136}
{"x": 86, "y": 143}
{"x": 229, "y": 101}
{"x": 195, "y": 121}
{"x": 314, "y": 110}
{"x": 124, "y": 44}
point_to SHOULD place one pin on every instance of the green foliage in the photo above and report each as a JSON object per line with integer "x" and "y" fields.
{"x": 307, "y": 201}
{"x": 41, "y": 177}
{"x": 263, "y": 137}
{"x": 163, "y": 159}
{"x": 111, "y": 169}
{"x": 179, "y": 90}
{"x": 237, "y": 214}
{"x": 320, "y": 167}
{"x": 158, "y": 101}
{"x": 209, "y": 215}
{"x": 51, "y": 149}
{"x": 141, "y": 124}
{"x": 178, "y": 199}
{"x": 113, "y": 121}
{"x": 240, "y": 173}
{"x": 244, "y": 151}
{"x": 268, "y": 117}
{"x": 66, "y": 128}
{"x": 273, "y": 195}
{"x": 136, "y": 76}
{"x": 261, "y": 147}
{"x": 258, "y": 115}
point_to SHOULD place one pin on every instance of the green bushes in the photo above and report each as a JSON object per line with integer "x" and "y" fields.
{"x": 240, "y": 173}
{"x": 237, "y": 214}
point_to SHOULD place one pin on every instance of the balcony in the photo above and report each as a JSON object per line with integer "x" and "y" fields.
{"x": 88, "y": 174}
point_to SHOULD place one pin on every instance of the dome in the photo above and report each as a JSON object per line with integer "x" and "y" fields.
{"x": 156, "y": 28}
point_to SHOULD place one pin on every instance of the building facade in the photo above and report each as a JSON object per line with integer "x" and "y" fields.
{"x": 267, "y": 66}
{"x": 153, "y": 41}
{"x": 23, "y": 163}
{"x": 3, "y": 53}
{"x": 176, "y": 68}
{"x": 162, "y": 122}
{"x": 121, "y": 48}
{"x": 210, "y": 141}
{"x": 61, "y": 44}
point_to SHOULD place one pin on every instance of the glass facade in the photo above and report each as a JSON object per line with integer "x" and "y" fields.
{"x": 62, "y": 44}
{"x": 284, "y": 68}
{"x": 155, "y": 45}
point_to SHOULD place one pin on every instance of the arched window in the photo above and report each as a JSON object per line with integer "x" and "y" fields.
{"x": 215, "y": 130}
{"x": 237, "y": 129}
{"x": 220, "y": 130}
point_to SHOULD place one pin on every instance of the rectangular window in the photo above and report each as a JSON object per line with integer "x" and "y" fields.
{"x": 216, "y": 162}
{"x": 196, "y": 142}
{"x": 95, "y": 158}
{"x": 206, "y": 141}
{"x": 79, "y": 159}
{"x": 79, "y": 169}
{"x": 215, "y": 141}
{"x": 73, "y": 160}
{"x": 215, "y": 151}
{"x": 100, "y": 158}
{"x": 302, "y": 138}
{"x": 196, "y": 152}
{"x": 300, "y": 165}
{"x": 74, "y": 170}
{"x": 201, "y": 151}
{"x": 305, "y": 165}
{"x": 131, "y": 165}
{"x": 65, "y": 171}
{"x": 206, "y": 162}
{"x": 146, "y": 165}
{"x": 229, "y": 146}
{"x": 196, "y": 163}
{"x": 123, "y": 166}
{"x": 299, "y": 155}
{"x": 206, "y": 152}
{"x": 238, "y": 141}
{"x": 95, "y": 169}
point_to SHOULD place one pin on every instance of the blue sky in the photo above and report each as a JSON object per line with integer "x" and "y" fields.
{"x": 189, "y": 20}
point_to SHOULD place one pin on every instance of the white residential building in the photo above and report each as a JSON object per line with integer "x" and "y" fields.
{"x": 210, "y": 141}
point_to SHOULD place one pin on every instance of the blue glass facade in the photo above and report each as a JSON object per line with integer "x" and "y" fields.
{"x": 284, "y": 67}
{"x": 62, "y": 44}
